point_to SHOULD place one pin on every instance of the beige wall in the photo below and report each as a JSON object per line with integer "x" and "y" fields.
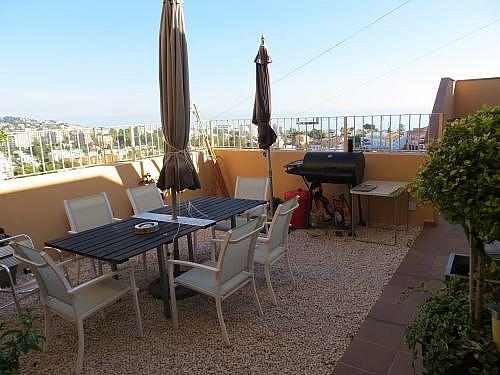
{"x": 379, "y": 166}
{"x": 444, "y": 102}
{"x": 34, "y": 205}
{"x": 472, "y": 94}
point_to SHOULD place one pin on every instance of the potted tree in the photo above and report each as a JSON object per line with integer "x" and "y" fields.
{"x": 461, "y": 178}
{"x": 450, "y": 344}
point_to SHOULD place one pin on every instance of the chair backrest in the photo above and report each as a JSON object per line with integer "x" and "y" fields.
{"x": 88, "y": 212}
{"x": 278, "y": 231}
{"x": 252, "y": 188}
{"x": 238, "y": 248}
{"x": 51, "y": 281}
{"x": 145, "y": 198}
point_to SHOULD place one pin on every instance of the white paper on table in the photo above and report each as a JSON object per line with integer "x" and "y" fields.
{"x": 180, "y": 219}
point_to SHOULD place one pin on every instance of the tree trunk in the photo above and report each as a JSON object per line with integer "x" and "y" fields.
{"x": 472, "y": 273}
{"x": 472, "y": 284}
{"x": 478, "y": 247}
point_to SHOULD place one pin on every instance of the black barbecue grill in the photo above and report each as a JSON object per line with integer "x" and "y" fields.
{"x": 331, "y": 167}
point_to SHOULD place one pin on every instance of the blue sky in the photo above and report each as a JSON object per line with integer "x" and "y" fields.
{"x": 95, "y": 62}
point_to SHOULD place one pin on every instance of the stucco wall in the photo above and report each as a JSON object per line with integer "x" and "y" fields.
{"x": 34, "y": 205}
{"x": 472, "y": 94}
{"x": 379, "y": 166}
{"x": 444, "y": 102}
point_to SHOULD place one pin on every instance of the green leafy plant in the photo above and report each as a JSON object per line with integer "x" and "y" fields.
{"x": 450, "y": 344}
{"x": 461, "y": 179}
{"x": 17, "y": 341}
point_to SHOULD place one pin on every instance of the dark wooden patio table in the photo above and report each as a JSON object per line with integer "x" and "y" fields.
{"x": 117, "y": 242}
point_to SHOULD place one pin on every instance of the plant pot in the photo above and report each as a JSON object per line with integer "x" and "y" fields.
{"x": 458, "y": 265}
{"x": 462, "y": 368}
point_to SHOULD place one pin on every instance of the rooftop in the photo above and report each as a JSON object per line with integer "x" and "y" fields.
{"x": 337, "y": 283}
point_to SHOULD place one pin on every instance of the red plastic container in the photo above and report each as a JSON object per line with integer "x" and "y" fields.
{"x": 300, "y": 218}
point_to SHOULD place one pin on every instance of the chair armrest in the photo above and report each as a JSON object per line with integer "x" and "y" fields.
{"x": 250, "y": 211}
{"x": 65, "y": 262}
{"x": 263, "y": 240}
{"x": 72, "y": 232}
{"x": 192, "y": 264}
{"x": 115, "y": 220}
{"x": 59, "y": 252}
{"x": 96, "y": 280}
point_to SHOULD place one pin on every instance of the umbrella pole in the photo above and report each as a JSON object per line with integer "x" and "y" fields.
{"x": 270, "y": 174}
{"x": 173, "y": 194}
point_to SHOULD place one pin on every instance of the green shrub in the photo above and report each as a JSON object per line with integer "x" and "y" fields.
{"x": 461, "y": 179}
{"x": 450, "y": 344}
{"x": 17, "y": 341}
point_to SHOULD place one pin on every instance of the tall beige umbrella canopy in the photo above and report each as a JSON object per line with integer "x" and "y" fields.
{"x": 178, "y": 172}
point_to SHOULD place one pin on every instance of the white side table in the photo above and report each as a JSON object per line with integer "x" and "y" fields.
{"x": 392, "y": 190}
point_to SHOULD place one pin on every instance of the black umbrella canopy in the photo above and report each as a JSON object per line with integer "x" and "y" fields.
{"x": 178, "y": 171}
{"x": 262, "y": 105}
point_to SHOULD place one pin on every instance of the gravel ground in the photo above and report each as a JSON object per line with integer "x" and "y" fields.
{"x": 337, "y": 283}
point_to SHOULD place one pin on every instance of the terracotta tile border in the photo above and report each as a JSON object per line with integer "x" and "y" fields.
{"x": 378, "y": 347}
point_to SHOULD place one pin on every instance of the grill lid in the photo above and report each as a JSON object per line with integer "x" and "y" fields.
{"x": 330, "y": 167}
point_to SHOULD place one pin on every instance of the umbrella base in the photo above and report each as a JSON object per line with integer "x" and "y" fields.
{"x": 180, "y": 292}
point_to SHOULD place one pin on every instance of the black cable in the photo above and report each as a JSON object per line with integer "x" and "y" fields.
{"x": 348, "y": 91}
{"x": 294, "y": 70}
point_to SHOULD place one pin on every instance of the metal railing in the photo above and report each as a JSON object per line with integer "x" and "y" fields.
{"x": 382, "y": 133}
{"x": 35, "y": 152}
{"x": 43, "y": 151}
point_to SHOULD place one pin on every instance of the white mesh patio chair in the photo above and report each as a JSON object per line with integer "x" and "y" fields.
{"x": 274, "y": 246}
{"x": 246, "y": 188}
{"x": 75, "y": 303}
{"x": 18, "y": 287}
{"x": 232, "y": 271}
{"x": 88, "y": 213}
{"x": 145, "y": 198}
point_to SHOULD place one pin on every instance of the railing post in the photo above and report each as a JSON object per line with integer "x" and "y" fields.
{"x": 211, "y": 134}
{"x": 346, "y": 146}
{"x": 132, "y": 144}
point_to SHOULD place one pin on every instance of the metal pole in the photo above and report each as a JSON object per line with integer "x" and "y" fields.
{"x": 173, "y": 194}
{"x": 270, "y": 174}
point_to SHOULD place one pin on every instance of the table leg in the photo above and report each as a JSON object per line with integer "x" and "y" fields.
{"x": 114, "y": 268}
{"x": 190, "y": 247}
{"x": 407, "y": 205}
{"x": 352, "y": 215}
{"x": 163, "y": 280}
{"x": 394, "y": 218}
{"x": 177, "y": 268}
{"x": 367, "y": 211}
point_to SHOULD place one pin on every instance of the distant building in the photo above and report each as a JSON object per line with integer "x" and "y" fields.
{"x": 416, "y": 139}
{"x": 300, "y": 141}
{"x": 5, "y": 171}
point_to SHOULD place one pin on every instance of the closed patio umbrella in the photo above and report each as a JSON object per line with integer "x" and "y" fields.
{"x": 178, "y": 172}
{"x": 262, "y": 108}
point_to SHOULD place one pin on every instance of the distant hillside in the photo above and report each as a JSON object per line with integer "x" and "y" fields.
{"x": 13, "y": 124}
